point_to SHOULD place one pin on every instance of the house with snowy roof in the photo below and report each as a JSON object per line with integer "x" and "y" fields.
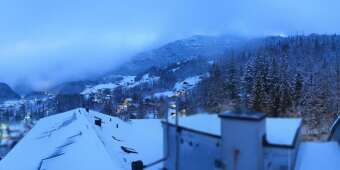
{"x": 241, "y": 141}
{"x": 88, "y": 140}
{"x": 75, "y": 140}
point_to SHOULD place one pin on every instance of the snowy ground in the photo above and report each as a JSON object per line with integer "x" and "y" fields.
{"x": 164, "y": 94}
{"x": 71, "y": 141}
{"x": 188, "y": 83}
{"x": 318, "y": 156}
{"x": 127, "y": 82}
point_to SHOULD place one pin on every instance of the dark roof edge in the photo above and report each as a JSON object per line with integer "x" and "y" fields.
{"x": 243, "y": 116}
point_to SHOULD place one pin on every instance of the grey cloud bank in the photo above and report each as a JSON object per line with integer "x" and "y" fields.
{"x": 43, "y": 43}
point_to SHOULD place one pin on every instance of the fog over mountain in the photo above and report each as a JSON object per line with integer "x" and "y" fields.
{"x": 43, "y": 43}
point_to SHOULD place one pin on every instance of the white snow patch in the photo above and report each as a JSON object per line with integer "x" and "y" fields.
{"x": 175, "y": 69}
{"x": 98, "y": 87}
{"x": 282, "y": 130}
{"x": 145, "y": 79}
{"x": 318, "y": 156}
{"x": 126, "y": 81}
{"x": 188, "y": 83}
{"x": 12, "y": 103}
{"x": 164, "y": 94}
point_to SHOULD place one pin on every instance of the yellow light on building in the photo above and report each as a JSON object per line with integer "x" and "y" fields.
{"x": 173, "y": 106}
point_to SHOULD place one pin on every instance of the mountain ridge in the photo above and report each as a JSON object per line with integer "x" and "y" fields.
{"x": 7, "y": 93}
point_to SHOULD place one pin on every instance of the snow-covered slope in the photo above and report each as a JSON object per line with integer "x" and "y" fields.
{"x": 188, "y": 83}
{"x": 125, "y": 82}
{"x": 164, "y": 94}
{"x": 6, "y": 93}
{"x": 185, "y": 85}
{"x": 71, "y": 141}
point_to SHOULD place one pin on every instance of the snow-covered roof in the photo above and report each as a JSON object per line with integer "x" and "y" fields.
{"x": 279, "y": 131}
{"x": 282, "y": 131}
{"x": 71, "y": 141}
{"x": 317, "y": 156}
{"x": 206, "y": 123}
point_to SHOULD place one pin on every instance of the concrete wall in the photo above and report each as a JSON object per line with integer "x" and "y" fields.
{"x": 196, "y": 151}
{"x": 282, "y": 157}
{"x": 279, "y": 158}
{"x": 242, "y": 144}
{"x": 240, "y": 147}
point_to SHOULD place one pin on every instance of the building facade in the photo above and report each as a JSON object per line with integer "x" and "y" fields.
{"x": 230, "y": 141}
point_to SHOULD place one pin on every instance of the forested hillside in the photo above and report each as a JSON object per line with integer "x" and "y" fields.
{"x": 294, "y": 76}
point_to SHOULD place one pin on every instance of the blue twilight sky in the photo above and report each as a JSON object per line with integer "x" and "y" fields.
{"x": 44, "y": 42}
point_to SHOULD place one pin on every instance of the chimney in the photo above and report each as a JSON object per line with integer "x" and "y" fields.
{"x": 242, "y": 135}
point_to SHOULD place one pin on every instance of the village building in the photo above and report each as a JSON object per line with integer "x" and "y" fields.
{"x": 87, "y": 140}
{"x": 230, "y": 140}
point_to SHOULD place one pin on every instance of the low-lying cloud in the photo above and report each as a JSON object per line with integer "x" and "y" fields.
{"x": 43, "y": 43}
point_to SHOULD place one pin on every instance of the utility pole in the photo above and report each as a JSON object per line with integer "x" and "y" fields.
{"x": 337, "y": 82}
{"x": 177, "y": 138}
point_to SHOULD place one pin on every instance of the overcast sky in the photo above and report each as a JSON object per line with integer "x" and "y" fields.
{"x": 43, "y": 42}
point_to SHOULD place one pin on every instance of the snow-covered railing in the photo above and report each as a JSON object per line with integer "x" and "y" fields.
{"x": 334, "y": 130}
